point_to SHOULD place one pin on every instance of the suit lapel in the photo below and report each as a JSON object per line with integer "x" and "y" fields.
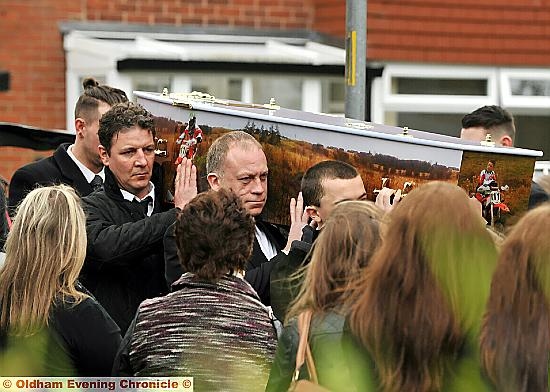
{"x": 71, "y": 173}
{"x": 272, "y": 234}
{"x": 257, "y": 257}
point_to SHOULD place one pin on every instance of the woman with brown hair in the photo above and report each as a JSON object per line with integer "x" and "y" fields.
{"x": 417, "y": 311}
{"x": 344, "y": 246}
{"x": 213, "y": 325}
{"x": 515, "y": 339}
{"x": 49, "y": 325}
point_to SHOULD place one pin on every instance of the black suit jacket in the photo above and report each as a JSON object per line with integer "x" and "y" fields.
{"x": 125, "y": 257}
{"x": 258, "y": 269}
{"x": 56, "y": 169}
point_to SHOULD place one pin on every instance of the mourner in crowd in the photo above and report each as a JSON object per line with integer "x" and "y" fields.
{"x": 78, "y": 164}
{"x": 500, "y": 124}
{"x": 515, "y": 341}
{"x": 323, "y": 186}
{"x": 237, "y": 162}
{"x": 416, "y": 313}
{"x": 49, "y": 325}
{"x": 344, "y": 247}
{"x": 125, "y": 225}
{"x": 213, "y": 325}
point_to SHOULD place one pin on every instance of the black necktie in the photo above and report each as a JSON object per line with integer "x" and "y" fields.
{"x": 143, "y": 205}
{"x": 97, "y": 183}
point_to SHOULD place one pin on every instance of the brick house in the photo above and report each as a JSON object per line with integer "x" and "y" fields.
{"x": 438, "y": 59}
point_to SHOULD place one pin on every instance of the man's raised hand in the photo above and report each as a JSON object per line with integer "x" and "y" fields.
{"x": 185, "y": 186}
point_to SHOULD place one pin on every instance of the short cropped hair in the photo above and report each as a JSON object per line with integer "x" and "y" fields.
{"x": 123, "y": 116}
{"x": 215, "y": 158}
{"x": 94, "y": 93}
{"x": 493, "y": 118}
{"x": 312, "y": 181}
{"x": 214, "y": 235}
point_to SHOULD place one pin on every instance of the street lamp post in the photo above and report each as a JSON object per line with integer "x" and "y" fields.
{"x": 356, "y": 58}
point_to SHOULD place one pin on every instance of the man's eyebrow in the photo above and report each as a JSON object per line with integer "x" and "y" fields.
{"x": 137, "y": 147}
{"x": 251, "y": 174}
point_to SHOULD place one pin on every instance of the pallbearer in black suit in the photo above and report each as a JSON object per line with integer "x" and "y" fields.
{"x": 125, "y": 224}
{"x": 78, "y": 164}
{"x": 236, "y": 161}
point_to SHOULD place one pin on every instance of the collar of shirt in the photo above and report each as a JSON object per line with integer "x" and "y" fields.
{"x": 87, "y": 173}
{"x": 130, "y": 197}
{"x": 266, "y": 246}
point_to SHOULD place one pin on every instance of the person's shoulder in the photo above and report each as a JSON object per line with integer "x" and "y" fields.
{"x": 38, "y": 169}
{"x": 98, "y": 197}
{"x": 150, "y": 306}
{"x": 274, "y": 228}
{"x": 330, "y": 322}
{"x": 70, "y": 318}
{"x": 69, "y": 309}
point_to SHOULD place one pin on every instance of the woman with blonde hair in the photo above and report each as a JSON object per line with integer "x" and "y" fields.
{"x": 49, "y": 325}
{"x": 344, "y": 247}
{"x": 416, "y": 313}
{"x": 515, "y": 340}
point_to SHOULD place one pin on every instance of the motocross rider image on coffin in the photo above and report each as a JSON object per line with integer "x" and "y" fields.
{"x": 489, "y": 194}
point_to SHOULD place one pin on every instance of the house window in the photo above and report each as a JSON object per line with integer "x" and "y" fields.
{"x": 530, "y": 88}
{"x": 287, "y": 90}
{"x": 432, "y": 98}
{"x": 442, "y": 123}
{"x": 533, "y": 132}
{"x": 526, "y": 94}
{"x": 334, "y": 96}
{"x": 235, "y": 89}
{"x": 153, "y": 82}
{"x": 433, "y": 86}
{"x": 526, "y": 90}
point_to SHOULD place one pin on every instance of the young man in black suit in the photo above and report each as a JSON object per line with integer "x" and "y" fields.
{"x": 323, "y": 186}
{"x": 78, "y": 164}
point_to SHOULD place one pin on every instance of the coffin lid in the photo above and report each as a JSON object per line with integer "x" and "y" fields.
{"x": 197, "y": 101}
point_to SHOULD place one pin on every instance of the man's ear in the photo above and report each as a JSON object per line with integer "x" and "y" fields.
{"x": 80, "y": 127}
{"x": 214, "y": 181}
{"x": 313, "y": 214}
{"x": 506, "y": 141}
{"x": 104, "y": 155}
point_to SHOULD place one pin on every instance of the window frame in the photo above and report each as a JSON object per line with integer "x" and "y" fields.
{"x": 527, "y": 105}
{"x": 432, "y": 103}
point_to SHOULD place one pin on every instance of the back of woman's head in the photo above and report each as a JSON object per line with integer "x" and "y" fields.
{"x": 345, "y": 246}
{"x": 425, "y": 289}
{"x": 214, "y": 235}
{"x": 45, "y": 251}
{"x": 515, "y": 341}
